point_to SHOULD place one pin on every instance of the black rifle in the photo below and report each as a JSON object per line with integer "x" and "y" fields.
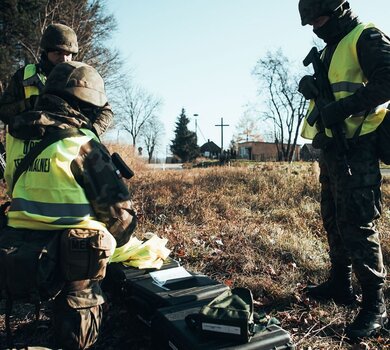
{"x": 325, "y": 97}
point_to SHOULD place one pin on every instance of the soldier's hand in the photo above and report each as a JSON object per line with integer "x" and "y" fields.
{"x": 308, "y": 87}
{"x": 333, "y": 113}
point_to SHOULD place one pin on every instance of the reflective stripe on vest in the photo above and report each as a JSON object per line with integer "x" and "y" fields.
{"x": 31, "y": 79}
{"x": 346, "y": 77}
{"x": 65, "y": 205}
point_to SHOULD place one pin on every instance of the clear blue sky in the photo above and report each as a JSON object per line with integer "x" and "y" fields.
{"x": 199, "y": 54}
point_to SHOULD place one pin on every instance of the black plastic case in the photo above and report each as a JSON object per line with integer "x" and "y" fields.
{"x": 170, "y": 331}
{"x": 144, "y": 296}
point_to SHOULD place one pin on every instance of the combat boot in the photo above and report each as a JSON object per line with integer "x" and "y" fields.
{"x": 372, "y": 317}
{"x": 337, "y": 288}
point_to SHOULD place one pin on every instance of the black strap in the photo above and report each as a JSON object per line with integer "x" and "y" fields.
{"x": 39, "y": 147}
{"x": 356, "y": 134}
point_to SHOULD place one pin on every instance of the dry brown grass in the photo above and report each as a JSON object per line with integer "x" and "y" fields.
{"x": 258, "y": 227}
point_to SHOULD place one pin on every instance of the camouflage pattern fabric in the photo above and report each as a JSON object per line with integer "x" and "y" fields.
{"x": 102, "y": 118}
{"x": 77, "y": 315}
{"x": 59, "y": 37}
{"x": 13, "y": 102}
{"x": 108, "y": 194}
{"x": 57, "y": 115}
{"x": 349, "y": 207}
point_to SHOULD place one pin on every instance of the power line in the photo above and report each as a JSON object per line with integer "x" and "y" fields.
{"x": 202, "y": 134}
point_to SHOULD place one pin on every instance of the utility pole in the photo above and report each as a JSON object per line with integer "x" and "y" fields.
{"x": 222, "y": 125}
{"x": 196, "y": 124}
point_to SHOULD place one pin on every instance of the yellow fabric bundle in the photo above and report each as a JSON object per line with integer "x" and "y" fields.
{"x": 142, "y": 254}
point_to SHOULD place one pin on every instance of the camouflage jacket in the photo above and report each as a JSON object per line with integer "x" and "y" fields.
{"x": 13, "y": 102}
{"x": 93, "y": 168}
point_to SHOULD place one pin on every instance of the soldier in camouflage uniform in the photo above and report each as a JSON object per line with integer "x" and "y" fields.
{"x": 87, "y": 191}
{"x": 58, "y": 44}
{"x": 357, "y": 58}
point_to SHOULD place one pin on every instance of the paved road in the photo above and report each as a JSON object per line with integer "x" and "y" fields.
{"x": 166, "y": 166}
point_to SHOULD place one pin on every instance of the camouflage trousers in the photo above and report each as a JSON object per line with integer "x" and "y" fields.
{"x": 77, "y": 315}
{"x": 350, "y": 204}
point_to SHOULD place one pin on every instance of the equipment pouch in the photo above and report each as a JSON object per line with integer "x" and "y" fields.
{"x": 229, "y": 315}
{"x": 383, "y": 132}
{"x": 85, "y": 254}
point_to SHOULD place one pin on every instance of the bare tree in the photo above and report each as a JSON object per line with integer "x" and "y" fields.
{"x": 151, "y": 134}
{"x": 248, "y": 128}
{"x": 285, "y": 106}
{"x": 22, "y": 25}
{"x": 134, "y": 108}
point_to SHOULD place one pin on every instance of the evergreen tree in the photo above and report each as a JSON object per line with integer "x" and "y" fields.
{"x": 185, "y": 144}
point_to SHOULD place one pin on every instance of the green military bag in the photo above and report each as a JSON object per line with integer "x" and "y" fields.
{"x": 229, "y": 315}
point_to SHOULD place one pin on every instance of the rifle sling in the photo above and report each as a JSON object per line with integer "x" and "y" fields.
{"x": 39, "y": 147}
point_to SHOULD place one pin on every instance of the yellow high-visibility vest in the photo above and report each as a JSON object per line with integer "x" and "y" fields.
{"x": 47, "y": 196}
{"x": 345, "y": 77}
{"x": 30, "y": 78}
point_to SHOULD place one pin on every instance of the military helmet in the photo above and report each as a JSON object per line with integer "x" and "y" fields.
{"x": 59, "y": 37}
{"x": 78, "y": 80}
{"x": 312, "y": 9}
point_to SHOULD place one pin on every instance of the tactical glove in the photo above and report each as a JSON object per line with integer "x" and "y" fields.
{"x": 333, "y": 113}
{"x": 308, "y": 87}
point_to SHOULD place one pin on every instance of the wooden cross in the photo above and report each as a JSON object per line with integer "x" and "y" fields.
{"x": 222, "y": 125}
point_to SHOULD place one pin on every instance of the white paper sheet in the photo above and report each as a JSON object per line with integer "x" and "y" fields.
{"x": 162, "y": 276}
